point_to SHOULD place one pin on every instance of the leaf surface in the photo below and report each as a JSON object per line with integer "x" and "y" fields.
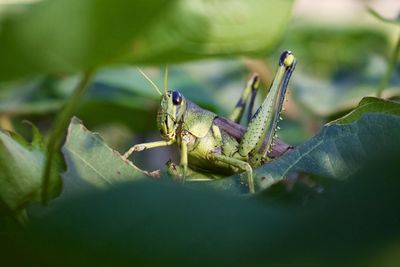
{"x": 21, "y": 168}
{"x": 93, "y": 164}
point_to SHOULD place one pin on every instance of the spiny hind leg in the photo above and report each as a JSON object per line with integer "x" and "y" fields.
{"x": 240, "y": 164}
{"x": 250, "y": 90}
{"x": 260, "y": 132}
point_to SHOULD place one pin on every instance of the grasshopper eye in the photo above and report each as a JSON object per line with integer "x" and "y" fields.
{"x": 176, "y": 97}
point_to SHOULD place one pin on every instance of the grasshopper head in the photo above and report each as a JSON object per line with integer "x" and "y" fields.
{"x": 171, "y": 109}
{"x": 169, "y": 114}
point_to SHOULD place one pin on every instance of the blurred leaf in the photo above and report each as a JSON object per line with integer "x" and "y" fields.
{"x": 21, "y": 165}
{"x": 71, "y": 35}
{"x": 357, "y": 224}
{"x": 370, "y": 104}
{"x": 102, "y": 104}
{"x": 197, "y": 29}
{"x": 381, "y": 18}
{"x": 91, "y": 163}
{"x": 33, "y": 96}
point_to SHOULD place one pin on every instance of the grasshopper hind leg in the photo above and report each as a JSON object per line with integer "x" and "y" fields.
{"x": 240, "y": 164}
{"x": 250, "y": 90}
{"x": 259, "y": 135}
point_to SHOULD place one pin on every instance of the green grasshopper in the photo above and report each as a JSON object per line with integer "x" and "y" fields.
{"x": 212, "y": 144}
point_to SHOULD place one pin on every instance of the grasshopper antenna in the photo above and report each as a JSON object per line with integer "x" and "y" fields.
{"x": 165, "y": 79}
{"x": 150, "y": 81}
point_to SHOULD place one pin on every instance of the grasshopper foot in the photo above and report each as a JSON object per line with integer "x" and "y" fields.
{"x": 176, "y": 171}
{"x": 135, "y": 148}
{"x": 155, "y": 174}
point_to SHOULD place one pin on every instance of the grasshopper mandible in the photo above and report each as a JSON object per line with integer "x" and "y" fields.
{"x": 209, "y": 143}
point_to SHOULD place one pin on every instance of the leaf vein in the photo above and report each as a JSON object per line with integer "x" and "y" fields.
{"x": 89, "y": 165}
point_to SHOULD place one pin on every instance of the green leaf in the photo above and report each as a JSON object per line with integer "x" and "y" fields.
{"x": 337, "y": 151}
{"x": 201, "y": 28}
{"x": 370, "y": 104}
{"x": 151, "y": 224}
{"x": 92, "y": 164}
{"x": 21, "y": 168}
{"x": 37, "y": 139}
{"x": 71, "y": 35}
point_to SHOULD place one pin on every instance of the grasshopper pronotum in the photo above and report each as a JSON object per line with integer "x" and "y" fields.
{"x": 209, "y": 143}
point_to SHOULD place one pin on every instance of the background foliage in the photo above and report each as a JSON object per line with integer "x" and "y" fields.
{"x": 330, "y": 201}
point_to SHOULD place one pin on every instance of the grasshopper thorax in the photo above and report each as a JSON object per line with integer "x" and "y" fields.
{"x": 169, "y": 115}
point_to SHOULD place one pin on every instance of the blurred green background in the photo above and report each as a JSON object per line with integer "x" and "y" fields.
{"x": 211, "y": 47}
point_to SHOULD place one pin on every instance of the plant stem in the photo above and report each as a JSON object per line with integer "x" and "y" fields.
{"x": 390, "y": 70}
{"x": 57, "y": 132}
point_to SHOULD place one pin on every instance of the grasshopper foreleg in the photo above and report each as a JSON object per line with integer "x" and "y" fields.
{"x": 144, "y": 146}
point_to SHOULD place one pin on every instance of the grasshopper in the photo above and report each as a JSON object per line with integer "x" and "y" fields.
{"x": 212, "y": 144}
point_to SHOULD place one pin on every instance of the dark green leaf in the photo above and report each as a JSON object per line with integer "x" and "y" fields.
{"x": 370, "y": 104}
{"x": 21, "y": 168}
{"x": 357, "y": 224}
{"x": 67, "y": 35}
{"x": 337, "y": 151}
